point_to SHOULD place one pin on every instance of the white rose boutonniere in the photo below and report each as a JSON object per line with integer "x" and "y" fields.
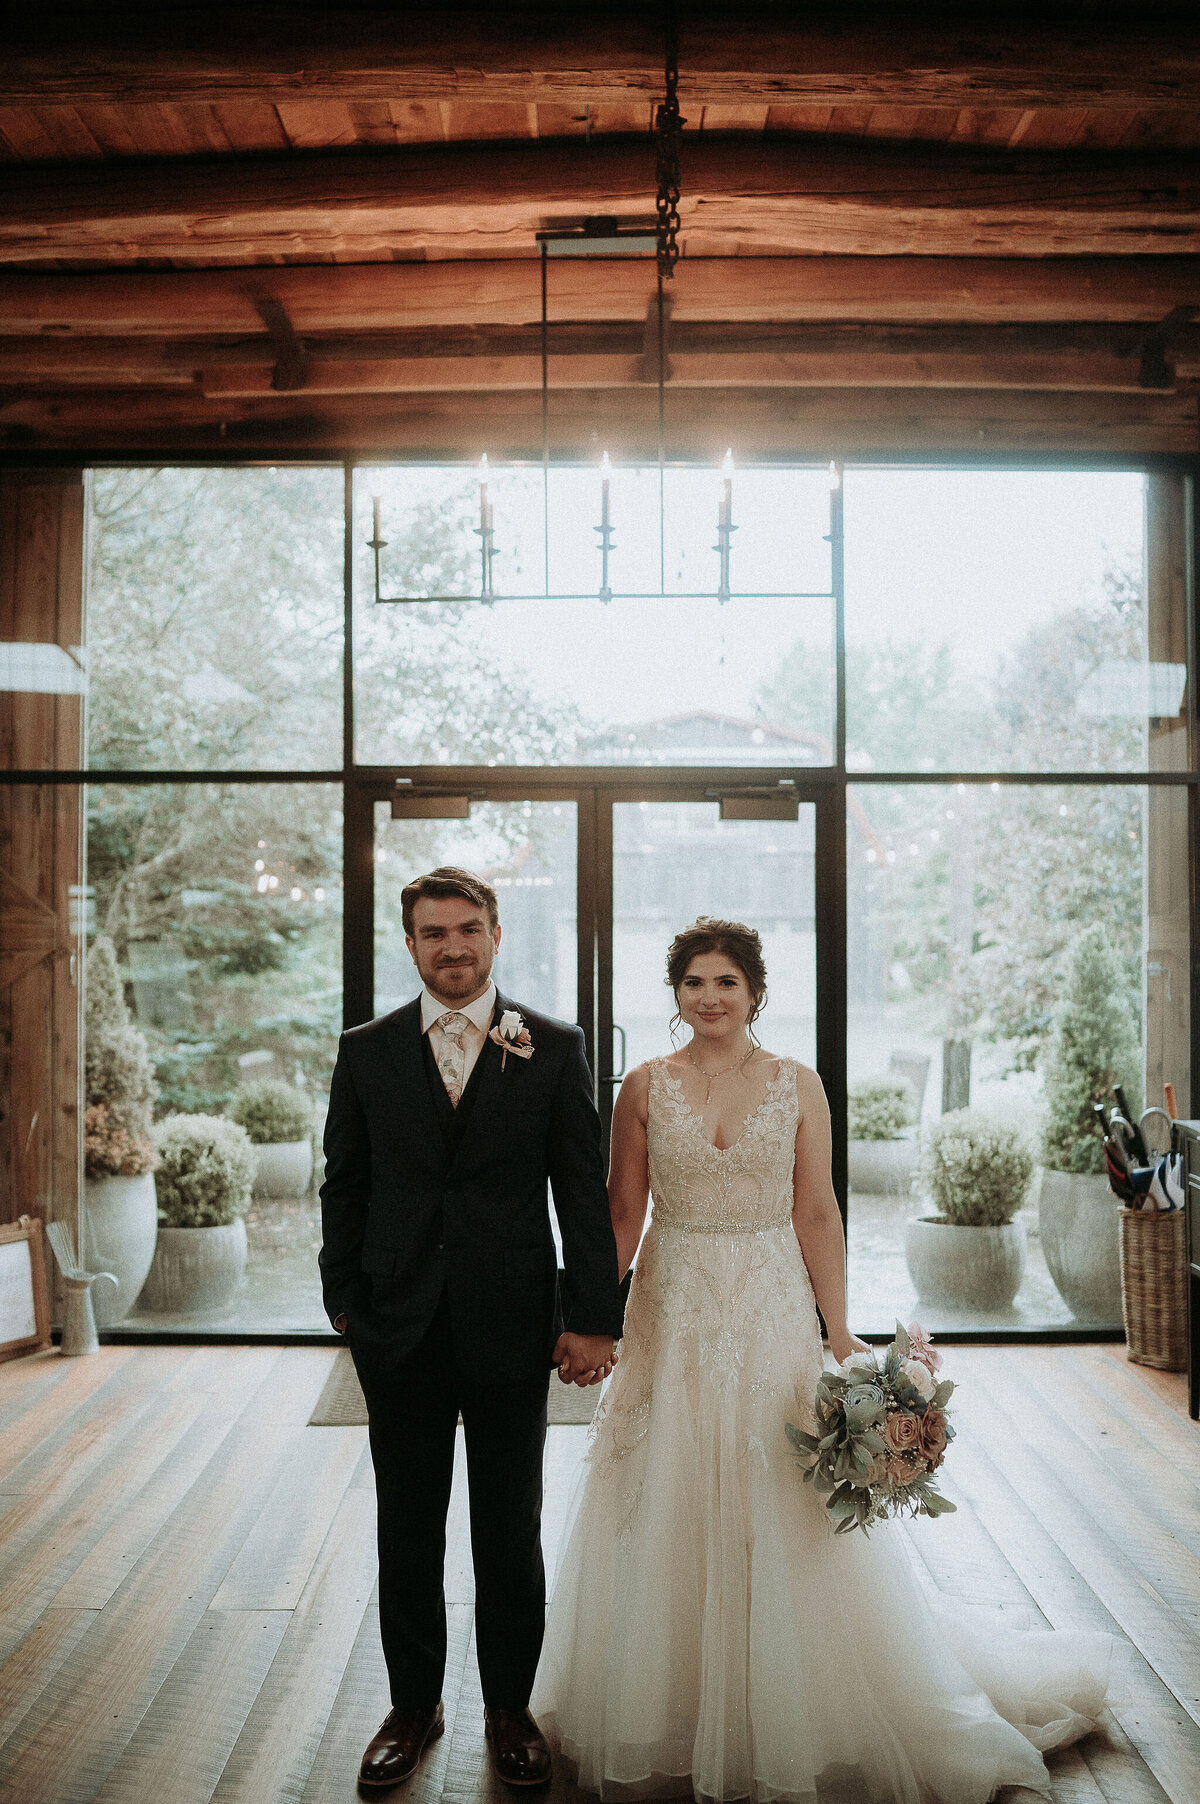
{"x": 511, "y": 1035}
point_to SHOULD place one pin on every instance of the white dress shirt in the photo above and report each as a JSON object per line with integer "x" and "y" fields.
{"x": 479, "y": 1013}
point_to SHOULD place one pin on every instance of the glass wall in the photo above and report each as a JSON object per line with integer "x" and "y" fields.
{"x": 214, "y": 642}
{"x": 1017, "y": 725}
{"x": 1014, "y": 948}
{"x": 1014, "y": 621}
{"x": 223, "y": 906}
{"x": 214, "y": 620}
{"x": 675, "y": 677}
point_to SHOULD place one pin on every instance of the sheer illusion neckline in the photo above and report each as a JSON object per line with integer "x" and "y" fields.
{"x": 695, "y": 1115}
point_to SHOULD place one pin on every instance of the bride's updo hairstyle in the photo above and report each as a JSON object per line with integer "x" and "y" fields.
{"x": 733, "y": 940}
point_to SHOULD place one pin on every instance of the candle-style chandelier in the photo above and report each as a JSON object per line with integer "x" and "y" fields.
{"x": 609, "y": 237}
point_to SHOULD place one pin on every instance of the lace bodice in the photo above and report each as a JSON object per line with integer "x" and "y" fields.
{"x": 740, "y": 1189}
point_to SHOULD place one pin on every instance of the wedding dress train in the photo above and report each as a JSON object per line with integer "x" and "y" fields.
{"x": 707, "y": 1631}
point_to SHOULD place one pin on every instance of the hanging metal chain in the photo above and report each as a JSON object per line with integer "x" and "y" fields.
{"x": 668, "y": 126}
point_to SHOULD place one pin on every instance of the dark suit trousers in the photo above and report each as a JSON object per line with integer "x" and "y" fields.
{"x": 413, "y": 1408}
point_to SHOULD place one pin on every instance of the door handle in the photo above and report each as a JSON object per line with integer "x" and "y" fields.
{"x": 614, "y": 1077}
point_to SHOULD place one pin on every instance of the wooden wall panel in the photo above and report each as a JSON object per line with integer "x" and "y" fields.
{"x": 41, "y": 865}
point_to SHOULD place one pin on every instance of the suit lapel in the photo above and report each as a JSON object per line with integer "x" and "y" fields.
{"x": 408, "y": 1056}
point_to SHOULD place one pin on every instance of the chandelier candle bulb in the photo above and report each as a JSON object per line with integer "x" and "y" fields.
{"x": 725, "y": 526}
{"x": 487, "y": 594}
{"x": 605, "y": 527}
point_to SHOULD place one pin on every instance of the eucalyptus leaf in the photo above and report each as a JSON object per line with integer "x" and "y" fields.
{"x": 902, "y": 1341}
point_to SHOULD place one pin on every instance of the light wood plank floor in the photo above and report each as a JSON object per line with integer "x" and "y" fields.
{"x": 187, "y": 1572}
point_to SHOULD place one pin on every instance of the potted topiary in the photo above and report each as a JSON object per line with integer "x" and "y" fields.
{"x": 881, "y": 1159}
{"x": 205, "y": 1171}
{"x": 1094, "y": 1046}
{"x": 120, "y": 1212}
{"x": 278, "y": 1120}
{"x": 971, "y": 1252}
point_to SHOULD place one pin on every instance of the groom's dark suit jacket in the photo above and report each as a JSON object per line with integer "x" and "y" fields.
{"x": 421, "y": 1198}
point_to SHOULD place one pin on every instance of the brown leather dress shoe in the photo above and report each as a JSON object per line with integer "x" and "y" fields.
{"x": 518, "y": 1747}
{"x": 394, "y": 1751}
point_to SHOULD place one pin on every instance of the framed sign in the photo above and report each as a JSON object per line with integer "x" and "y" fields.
{"x": 24, "y": 1306}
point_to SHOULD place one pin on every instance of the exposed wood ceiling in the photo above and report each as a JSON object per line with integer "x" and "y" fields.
{"x": 886, "y": 224}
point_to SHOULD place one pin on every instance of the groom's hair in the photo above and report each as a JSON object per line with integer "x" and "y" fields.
{"x": 449, "y": 880}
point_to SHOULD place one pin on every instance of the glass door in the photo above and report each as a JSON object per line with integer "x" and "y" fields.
{"x": 525, "y": 848}
{"x": 674, "y": 860}
{"x": 594, "y": 880}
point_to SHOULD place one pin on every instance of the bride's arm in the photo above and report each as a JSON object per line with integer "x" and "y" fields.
{"x": 815, "y": 1214}
{"x": 628, "y": 1167}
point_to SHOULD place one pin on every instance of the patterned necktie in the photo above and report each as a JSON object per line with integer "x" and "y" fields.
{"x": 452, "y": 1059}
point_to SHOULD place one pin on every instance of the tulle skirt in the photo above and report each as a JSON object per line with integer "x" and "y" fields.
{"x": 707, "y": 1632}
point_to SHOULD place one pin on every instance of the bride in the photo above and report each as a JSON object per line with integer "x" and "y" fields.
{"x": 708, "y": 1632}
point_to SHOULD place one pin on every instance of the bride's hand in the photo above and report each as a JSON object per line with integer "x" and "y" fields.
{"x": 845, "y": 1344}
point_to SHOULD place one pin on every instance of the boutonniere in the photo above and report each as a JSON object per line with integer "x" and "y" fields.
{"x": 511, "y": 1035}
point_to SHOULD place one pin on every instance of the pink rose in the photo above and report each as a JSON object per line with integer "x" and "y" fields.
{"x": 902, "y": 1432}
{"x": 921, "y": 1343}
{"x": 932, "y": 1440}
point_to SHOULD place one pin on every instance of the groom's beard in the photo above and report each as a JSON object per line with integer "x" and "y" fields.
{"x": 457, "y": 981}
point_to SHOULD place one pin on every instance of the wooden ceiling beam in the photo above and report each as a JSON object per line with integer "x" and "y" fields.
{"x": 766, "y": 423}
{"x": 790, "y": 197}
{"x": 379, "y": 297}
{"x": 1074, "y": 357}
{"x": 593, "y": 55}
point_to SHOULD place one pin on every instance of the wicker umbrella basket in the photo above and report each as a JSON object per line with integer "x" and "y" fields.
{"x": 1153, "y": 1287}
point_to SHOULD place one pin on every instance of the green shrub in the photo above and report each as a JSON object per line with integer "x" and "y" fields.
{"x": 975, "y": 1169}
{"x": 880, "y": 1108}
{"x": 1094, "y": 1046}
{"x": 205, "y": 1172}
{"x": 272, "y": 1112}
{"x": 119, "y": 1086}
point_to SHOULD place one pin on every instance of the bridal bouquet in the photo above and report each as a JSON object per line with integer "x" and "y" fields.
{"x": 882, "y": 1432}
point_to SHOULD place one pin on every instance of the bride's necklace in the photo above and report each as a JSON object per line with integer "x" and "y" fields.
{"x": 723, "y": 1070}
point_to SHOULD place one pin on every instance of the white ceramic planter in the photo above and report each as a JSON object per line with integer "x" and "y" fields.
{"x": 973, "y": 1268}
{"x": 121, "y": 1217}
{"x": 284, "y": 1169}
{"x": 1081, "y": 1238}
{"x": 195, "y": 1269}
{"x": 882, "y": 1167}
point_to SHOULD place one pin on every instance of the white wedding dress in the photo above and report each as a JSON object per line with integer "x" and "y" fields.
{"x": 707, "y": 1631}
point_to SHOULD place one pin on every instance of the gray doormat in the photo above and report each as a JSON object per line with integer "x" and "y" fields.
{"x": 342, "y": 1404}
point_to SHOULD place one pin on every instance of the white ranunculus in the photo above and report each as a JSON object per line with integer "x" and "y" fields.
{"x": 510, "y": 1024}
{"x": 920, "y": 1377}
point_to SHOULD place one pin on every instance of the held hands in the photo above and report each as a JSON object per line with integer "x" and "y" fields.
{"x": 584, "y": 1359}
{"x": 843, "y": 1344}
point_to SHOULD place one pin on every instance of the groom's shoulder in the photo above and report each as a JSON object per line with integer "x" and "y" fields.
{"x": 370, "y": 1034}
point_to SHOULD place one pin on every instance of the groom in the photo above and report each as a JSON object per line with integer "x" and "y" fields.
{"x": 446, "y": 1119}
